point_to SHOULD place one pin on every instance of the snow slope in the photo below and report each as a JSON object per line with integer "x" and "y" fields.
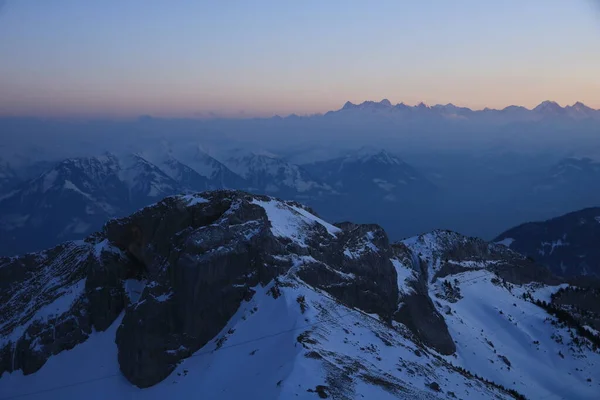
{"x": 292, "y": 221}
{"x": 492, "y": 321}
{"x": 290, "y": 339}
{"x": 259, "y": 355}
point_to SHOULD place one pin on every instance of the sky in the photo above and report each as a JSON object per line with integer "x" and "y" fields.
{"x": 238, "y": 58}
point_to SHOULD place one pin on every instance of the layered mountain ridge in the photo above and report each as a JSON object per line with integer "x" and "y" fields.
{"x": 567, "y": 245}
{"x": 77, "y": 196}
{"x": 546, "y": 109}
{"x": 175, "y": 294}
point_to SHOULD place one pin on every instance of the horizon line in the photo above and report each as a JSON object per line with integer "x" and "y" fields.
{"x": 211, "y": 115}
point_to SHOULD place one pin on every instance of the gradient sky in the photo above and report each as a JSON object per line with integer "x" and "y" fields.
{"x": 247, "y": 58}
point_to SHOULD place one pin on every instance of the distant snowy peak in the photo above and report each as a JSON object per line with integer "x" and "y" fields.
{"x": 102, "y": 180}
{"x": 145, "y": 178}
{"x": 384, "y": 104}
{"x": 546, "y": 109}
{"x": 552, "y": 107}
{"x": 87, "y": 172}
{"x": 271, "y": 174}
{"x": 580, "y": 110}
{"x": 549, "y": 107}
{"x": 251, "y": 164}
{"x": 8, "y": 178}
{"x": 445, "y": 252}
{"x": 574, "y": 168}
{"x": 451, "y": 108}
{"x": 205, "y": 164}
{"x": 217, "y": 174}
{"x": 78, "y": 195}
{"x": 366, "y": 155}
{"x": 374, "y": 173}
{"x": 579, "y": 106}
{"x": 579, "y": 162}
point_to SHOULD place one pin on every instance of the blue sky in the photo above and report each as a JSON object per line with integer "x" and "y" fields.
{"x": 190, "y": 58}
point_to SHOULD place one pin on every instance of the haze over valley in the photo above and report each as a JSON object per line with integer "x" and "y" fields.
{"x": 410, "y": 169}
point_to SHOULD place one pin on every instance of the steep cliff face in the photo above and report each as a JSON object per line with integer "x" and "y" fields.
{"x": 195, "y": 274}
{"x": 51, "y": 301}
{"x": 193, "y": 260}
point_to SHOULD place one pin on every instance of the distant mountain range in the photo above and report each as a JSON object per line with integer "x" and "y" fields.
{"x": 77, "y": 196}
{"x": 546, "y": 109}
{"x": 568, "y": 184}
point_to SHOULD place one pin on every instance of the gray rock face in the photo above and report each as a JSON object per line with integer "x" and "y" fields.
{"x": 420, "y": 316}
{"x": 179, "y": 270}
{"x": 50, "y": 301}
{"x": 366, "y": 279}
{"x": 444, "y": 253}
{"x": 194, "y": 285}
{"x": 416, "y": 309}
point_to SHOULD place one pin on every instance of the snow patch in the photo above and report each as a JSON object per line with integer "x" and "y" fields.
{"x": 58, "y": 306}
{"x": 385, "y": 185}
{"x": 292, "y": 222}
{"x": 506, "y": 242}
{"x": 193, "y": 199}
{"x": 104, "y": 246}
{"x": 405, "y": 276}
{"x": 333, "y": 230}
{"x": 134, "y": 289}
{"x": 49, "y": 180}
{"x": 364, "y": 244}
{"x": 511, "y": 341}
{"x": 552, "y": 246}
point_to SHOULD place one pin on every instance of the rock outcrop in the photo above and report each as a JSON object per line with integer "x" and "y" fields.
{"x": 179, "y": 270}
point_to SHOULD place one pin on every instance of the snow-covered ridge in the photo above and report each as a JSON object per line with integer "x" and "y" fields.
{"x": 322, "y": 309}
{"x": 290, "y": 221}
{"x": 323, "y": 348}
{"x": 546, "y": 106}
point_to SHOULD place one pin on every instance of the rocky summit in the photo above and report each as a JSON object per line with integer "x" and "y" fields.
{"x": 234, "y": 295}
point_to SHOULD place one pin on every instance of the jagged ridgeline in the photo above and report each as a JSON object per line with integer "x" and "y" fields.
{"x": 234, "y": 295}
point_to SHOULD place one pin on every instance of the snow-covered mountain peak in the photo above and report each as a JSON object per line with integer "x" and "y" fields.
{"x": 575, "y": 165}
{"x": 324, "y": 310}
{"x": 254, "y": 162}
{"x": 348, "y": 105}
{"x": 548, "y": 107}
{"x": 268, "y": 173}
{"x": 579, "y": 106}
{"x": 265, "y": 153}
{"x": 399, "y": 113}
{"x": 368, "y": 154}
{"x": 368, "y": 105}
{"x": 510, "y": 109}
{"x": 444, "y": 252}
{"x": 581, "y": 111}
{"x": 401, "y": 106}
